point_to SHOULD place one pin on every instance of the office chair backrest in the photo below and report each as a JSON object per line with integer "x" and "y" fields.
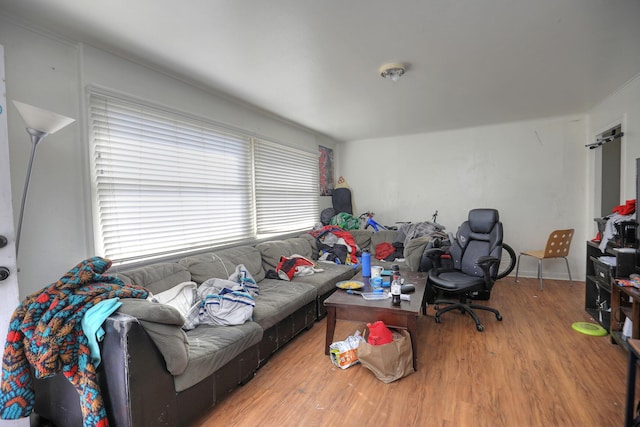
{"x": 480, "y": 235}
{"x": 558, "y": 243}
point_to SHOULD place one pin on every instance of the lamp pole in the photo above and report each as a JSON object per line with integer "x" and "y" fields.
{"x": 36, "y": 137}
{"x": 40, "y": 123}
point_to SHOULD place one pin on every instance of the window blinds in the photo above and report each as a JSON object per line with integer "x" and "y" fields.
{"x": 286, "y": 182}
{"x": 164, "y": 183}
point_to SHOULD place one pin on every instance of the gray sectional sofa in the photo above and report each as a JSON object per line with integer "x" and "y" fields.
{"x": 153, "y": 373}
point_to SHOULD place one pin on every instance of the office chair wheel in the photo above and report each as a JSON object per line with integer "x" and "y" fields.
{"x": 438, "y": 319}
{"x": 480, "y": 328}
{"x": 499, "y": 317}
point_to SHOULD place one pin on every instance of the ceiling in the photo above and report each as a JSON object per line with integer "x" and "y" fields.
{"x": 315, "y": 63}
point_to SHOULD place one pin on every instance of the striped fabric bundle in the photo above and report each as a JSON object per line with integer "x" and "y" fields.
{"x": 229, "y": 307}
{"x": 45, "y": 334}
{"x": 224, "y": 302}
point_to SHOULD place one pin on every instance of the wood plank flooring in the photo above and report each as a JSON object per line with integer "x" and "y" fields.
{"x": 531, "y": 369}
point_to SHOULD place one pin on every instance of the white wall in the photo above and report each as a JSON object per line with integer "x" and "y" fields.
{"x": 52, "y": 73}
{"x": 533, "y": 172}
{"x": 537, "y": 173}
{"x": 621, "y": 107}
{"x": 44, "y": 71}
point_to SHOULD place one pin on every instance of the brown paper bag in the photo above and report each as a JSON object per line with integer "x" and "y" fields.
{"x": 388, "y": 362}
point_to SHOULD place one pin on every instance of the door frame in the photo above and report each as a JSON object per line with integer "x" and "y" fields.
{"x": 9, "y": 290}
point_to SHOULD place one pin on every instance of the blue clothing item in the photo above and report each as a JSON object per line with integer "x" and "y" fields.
{"x": 92, "y": 325}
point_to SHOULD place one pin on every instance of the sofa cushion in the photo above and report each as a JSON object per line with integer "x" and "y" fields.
{"x": 362, "y": 238}
{"x": 222, "y": 263}
{"x": 273, "y": 250}
{"x": 279, "y": 299}
{"x": 212, "y": 347}
{"x": 157, "y": 277}
{"x": 313, "y": 243}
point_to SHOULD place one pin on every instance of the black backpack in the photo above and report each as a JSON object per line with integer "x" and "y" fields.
{"x": 326, "y": 215}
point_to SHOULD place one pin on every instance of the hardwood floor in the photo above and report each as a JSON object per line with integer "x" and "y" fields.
{"x": 531, "y": 369}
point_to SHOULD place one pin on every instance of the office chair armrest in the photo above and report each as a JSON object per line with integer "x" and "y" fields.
{"x": 485, "y": 263}
{"x": 434, "y": 253}
{"x": 431, "y": 258}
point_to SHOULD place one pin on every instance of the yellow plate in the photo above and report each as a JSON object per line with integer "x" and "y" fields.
{"x": 349, "y": 284}
{"x": 589, "y": 329}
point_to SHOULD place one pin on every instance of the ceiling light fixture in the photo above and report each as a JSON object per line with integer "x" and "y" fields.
{"x": 392, "y": 71}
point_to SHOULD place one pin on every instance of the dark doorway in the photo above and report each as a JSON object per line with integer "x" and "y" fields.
{"x": 611, "y": 154}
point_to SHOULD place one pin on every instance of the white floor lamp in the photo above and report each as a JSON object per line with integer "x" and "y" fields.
{"x": 40, "y": 123}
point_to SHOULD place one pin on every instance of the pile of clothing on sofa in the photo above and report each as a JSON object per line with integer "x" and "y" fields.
{"x": 336, "y": 245}
{"x": 389, "y": 251}
{"x": 215, "y": 301}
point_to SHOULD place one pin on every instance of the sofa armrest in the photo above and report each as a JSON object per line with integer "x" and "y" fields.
{"x": 163, "y": 323}
{"x": 137, "y": 388}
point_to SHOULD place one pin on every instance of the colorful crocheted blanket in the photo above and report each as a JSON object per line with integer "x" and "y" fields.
{"x": 46, "y": 337}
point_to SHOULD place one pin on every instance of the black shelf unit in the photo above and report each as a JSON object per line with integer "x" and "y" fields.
{"x": 597, "y": 299}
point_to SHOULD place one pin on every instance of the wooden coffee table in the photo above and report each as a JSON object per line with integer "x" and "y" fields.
{"x": 344, "y": 306}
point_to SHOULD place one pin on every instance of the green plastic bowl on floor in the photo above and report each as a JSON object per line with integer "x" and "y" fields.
{"x": 589, "y": 329}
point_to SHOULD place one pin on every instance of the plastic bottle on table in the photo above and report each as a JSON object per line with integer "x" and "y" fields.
{"x": 366, "y": 264}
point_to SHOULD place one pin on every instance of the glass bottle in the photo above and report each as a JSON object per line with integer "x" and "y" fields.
{"x": 395, "y": 284}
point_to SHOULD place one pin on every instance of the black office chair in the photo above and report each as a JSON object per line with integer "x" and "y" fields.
{"x": 475, "y": 253}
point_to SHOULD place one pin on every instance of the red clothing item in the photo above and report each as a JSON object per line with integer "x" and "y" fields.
{"x": 626, "y": 209}
{"x": 384, "y": 249}
{"x": 379, "y": 334}
{"x": 288, "y": 266}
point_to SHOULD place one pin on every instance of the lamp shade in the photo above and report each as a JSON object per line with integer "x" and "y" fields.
{"x": 41, "y": 120}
